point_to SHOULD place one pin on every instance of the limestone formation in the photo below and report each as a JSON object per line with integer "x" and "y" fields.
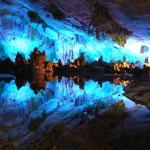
{"x": 139, "y": 93}
{"x": 37, "y": 59}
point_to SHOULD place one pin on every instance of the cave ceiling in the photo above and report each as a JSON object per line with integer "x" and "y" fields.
{"x": 65, "y": 19}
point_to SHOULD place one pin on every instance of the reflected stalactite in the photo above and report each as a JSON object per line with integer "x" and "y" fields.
{"x": 38, "y": 71}
{"x": 118, "y": 81}
{"x": 68, "y": 92}
{"x": 38, "y": 82}
{"x": 38, "y": 64}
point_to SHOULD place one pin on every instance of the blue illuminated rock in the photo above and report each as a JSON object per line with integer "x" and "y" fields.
{"x": 144, "y": 49}
{"x": 65, "y": 30}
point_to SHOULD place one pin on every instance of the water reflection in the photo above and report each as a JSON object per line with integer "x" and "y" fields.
{"x": 23, "y": 99}
{"x": 38, "y": 82}
{"x": 26, "y": 115}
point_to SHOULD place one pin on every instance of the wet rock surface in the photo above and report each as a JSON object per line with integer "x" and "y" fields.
{"x": 139, "y": 93}
{"x": 63, "y": 125}
{"x": 108, "y": 131}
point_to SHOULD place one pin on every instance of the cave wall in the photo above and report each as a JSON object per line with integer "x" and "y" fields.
{"x": 61, "y": 29}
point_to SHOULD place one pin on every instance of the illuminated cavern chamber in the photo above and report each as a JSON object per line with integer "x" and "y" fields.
{"x": 23, "y": 36}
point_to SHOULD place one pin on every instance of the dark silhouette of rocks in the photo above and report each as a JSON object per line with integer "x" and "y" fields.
{"x": 37, "y": 70}
{"x": 37, "y": 59}
{"x": 20, "y": 60}
{"x": 38, "y": 64}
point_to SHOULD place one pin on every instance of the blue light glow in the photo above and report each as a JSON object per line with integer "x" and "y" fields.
{"x": 61, "y": 44}
{"x": 63, "y": 96}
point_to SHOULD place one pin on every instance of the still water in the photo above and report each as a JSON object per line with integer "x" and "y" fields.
{"x": 63, "y": 97}
{"x": 22, "y": 110}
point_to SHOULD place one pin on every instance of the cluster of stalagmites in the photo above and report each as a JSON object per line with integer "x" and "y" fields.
{"x": 38, "y": 71}
{"x": 38, "y": 64}
{"x": 37, "y": 61}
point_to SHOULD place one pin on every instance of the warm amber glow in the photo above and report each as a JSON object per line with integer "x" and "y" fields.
{"x": 55, "y": 64}
{"x": 120, "y": 66}
{"x": 71, "y": 78}
{"x": 118, "y": 81}
{"x": 116, "y": 66}
{"x": 125, "y": 65}
{"x": 147, "y": 63}
{"x": 73, "y": 66}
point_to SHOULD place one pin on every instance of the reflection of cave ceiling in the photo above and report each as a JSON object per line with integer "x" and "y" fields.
{"x": 45, "y": 21}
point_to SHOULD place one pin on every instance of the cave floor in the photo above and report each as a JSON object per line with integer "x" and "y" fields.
{"x": 104, "y": 132}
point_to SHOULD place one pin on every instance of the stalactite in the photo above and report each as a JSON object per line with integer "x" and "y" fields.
{"x": 47, "y": 42}
{"x": 33, "y": 33}
{"x": 76, "y": 38}
{"x": 98, "y": 35}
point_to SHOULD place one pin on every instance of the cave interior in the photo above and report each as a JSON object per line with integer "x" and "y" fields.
{"x": 68, "y": 67}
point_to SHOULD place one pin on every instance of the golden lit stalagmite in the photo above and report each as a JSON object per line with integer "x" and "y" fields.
{"x": 147, "y": 63}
